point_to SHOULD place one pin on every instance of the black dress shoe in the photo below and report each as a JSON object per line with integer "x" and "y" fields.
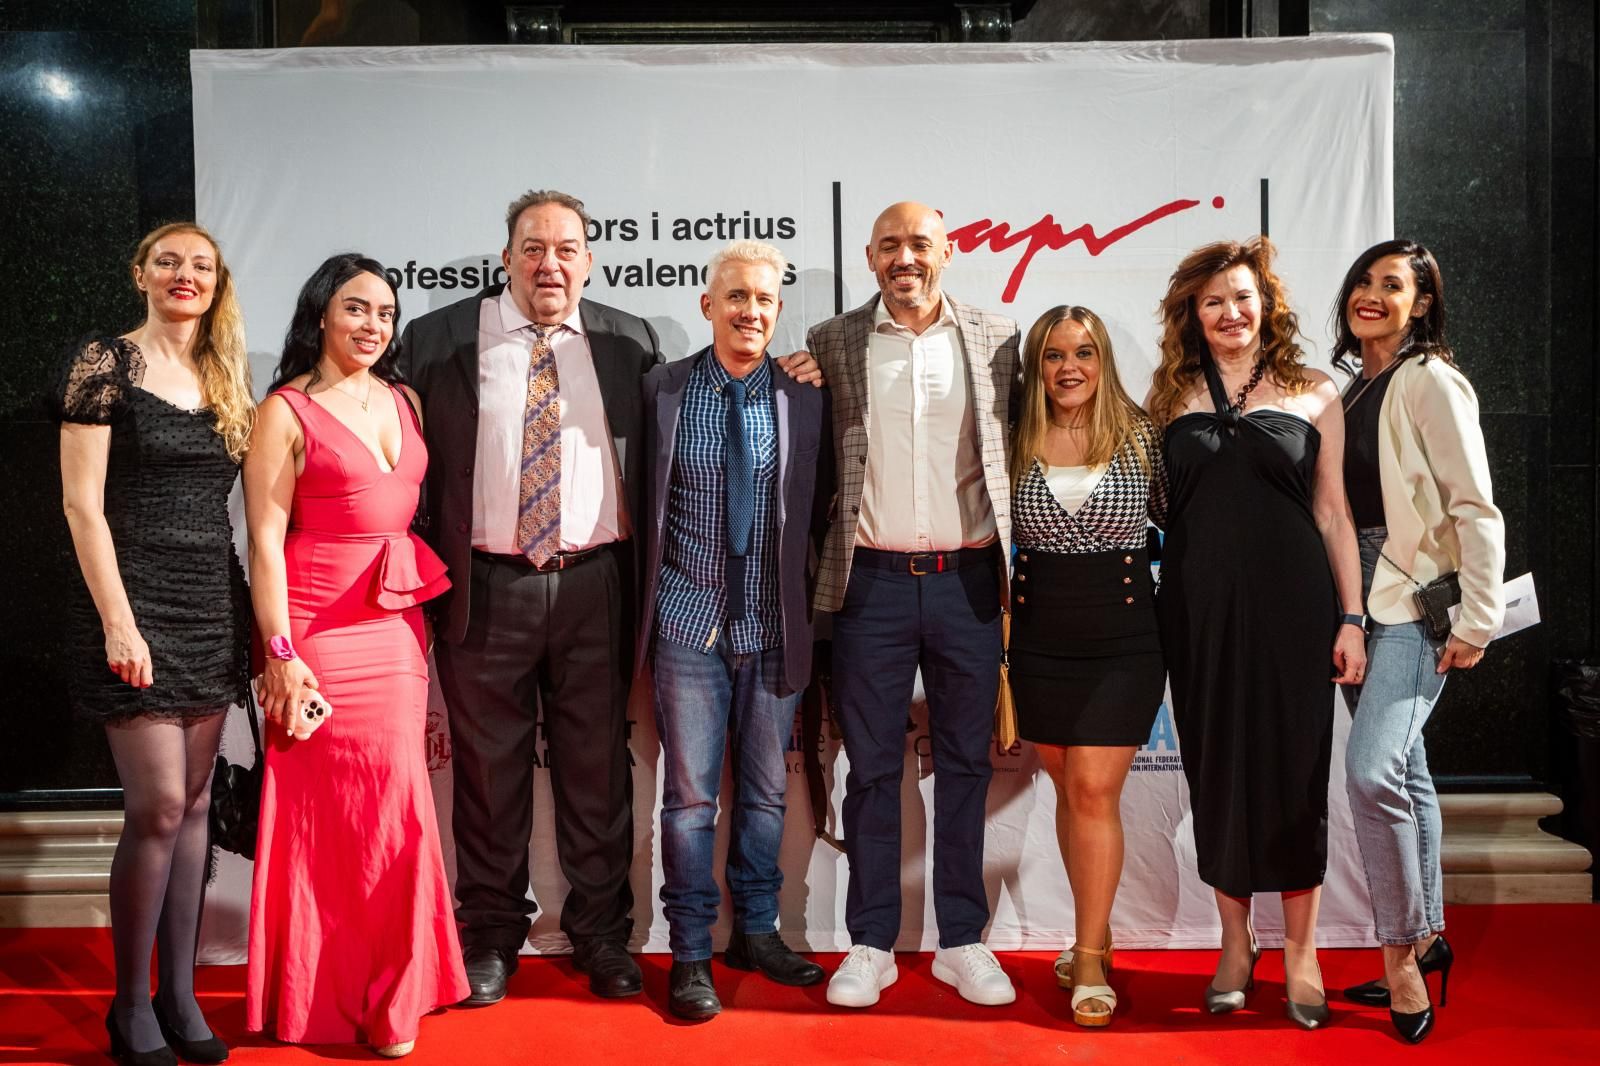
{"x": 161, "y": 1056}
{"x": 487, "y": 970}
{"x": 209, "y": 1051}
{"x": 691, "y": 995}
{"x": 768, "y": 953}
{"x": 612, "y": 972}
{"x": 1412, "y": 1027}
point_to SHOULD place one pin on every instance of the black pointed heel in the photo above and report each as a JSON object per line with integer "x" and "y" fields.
{"x": 1412, "y": 1027}
{"x": 161, "y": 1056}
{"x": 1368, "y": 994}
{"x": 1439, "y": 958}
{"x": 207, "y": 1052}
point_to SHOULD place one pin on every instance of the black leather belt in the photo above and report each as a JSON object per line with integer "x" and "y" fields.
{"x": 921, "y": 564}
{"x": 559, "y": 561}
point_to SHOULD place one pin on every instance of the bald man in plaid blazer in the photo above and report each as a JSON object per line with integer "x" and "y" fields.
{"x": 914, "y": 572}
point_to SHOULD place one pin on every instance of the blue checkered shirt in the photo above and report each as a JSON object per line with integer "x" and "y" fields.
{"x": 692, "y": 602}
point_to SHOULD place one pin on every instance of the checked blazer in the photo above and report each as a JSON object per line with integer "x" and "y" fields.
{"x": 989, "y": 344}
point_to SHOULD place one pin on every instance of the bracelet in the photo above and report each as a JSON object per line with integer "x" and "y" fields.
{"x": 280, "y": 648}
{"x": 1353, "y": 620}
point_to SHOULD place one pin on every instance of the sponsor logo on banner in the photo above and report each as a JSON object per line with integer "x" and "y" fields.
{"x": 1160, "y": 751}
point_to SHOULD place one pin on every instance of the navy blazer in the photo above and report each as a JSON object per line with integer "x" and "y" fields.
{"x": 439, "y": 358}
{"x": 805, "y": 455}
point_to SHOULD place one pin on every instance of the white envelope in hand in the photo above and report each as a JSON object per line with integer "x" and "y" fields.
{"x": 1522, "y": 607}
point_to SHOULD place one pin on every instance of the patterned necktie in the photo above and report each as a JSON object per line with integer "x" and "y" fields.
{"x": 539, "y": 494}
{"x": 740, "y": 494}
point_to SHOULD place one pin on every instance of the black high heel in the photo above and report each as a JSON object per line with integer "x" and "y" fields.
{"x": 1412, "y": 1027}
{"x": 208, "y": 1052}
{"x": 161, "y": 1056}
{"x": 1438, "y": 958}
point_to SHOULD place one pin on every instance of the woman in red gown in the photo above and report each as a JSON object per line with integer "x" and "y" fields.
{"x": 351, "y": 933}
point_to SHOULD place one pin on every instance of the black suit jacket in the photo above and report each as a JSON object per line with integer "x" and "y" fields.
{"x": 439, "y": 358}
{"x": 805, "y": 452}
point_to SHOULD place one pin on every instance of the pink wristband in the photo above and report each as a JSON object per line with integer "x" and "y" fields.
{"x": 280, "y": 648}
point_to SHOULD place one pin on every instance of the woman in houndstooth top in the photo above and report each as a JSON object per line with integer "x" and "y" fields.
{"x": 1086, "y": 666}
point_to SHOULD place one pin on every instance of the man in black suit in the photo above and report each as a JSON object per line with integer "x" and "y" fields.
{"x": 535, "y": 440}
{"x": 530, "y": 374}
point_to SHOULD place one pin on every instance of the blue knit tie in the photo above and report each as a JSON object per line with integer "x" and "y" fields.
{"x": 740, "y": 494}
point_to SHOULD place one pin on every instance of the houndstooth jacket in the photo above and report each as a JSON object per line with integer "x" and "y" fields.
{"x": 989, "y": 343}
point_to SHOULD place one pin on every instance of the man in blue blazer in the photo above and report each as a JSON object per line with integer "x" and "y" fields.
{"x": 735, "y": 449}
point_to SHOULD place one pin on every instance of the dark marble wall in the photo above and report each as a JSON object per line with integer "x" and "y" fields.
{"x": 96, "y": 147}
{"x": 1495, "y": 169}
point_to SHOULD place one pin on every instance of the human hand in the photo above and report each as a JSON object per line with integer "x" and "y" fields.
{"x": 128, "y": 655}
{"x": 1350, "y": 655}
{"x": 282, "y": 689}
{"x": 1459, "y": 654}
{"x": 801, "y": 366}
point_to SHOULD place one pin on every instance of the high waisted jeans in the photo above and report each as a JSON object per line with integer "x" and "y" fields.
{"x": 1386, "y": 772}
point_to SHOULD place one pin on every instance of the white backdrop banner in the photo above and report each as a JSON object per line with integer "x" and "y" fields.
{"x": 1065, "y": 173}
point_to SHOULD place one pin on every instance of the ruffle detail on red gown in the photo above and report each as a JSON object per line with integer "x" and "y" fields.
{"x": 409, "y": 574}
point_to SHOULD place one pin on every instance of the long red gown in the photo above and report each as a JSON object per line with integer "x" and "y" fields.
{"x": 352, "y": 937}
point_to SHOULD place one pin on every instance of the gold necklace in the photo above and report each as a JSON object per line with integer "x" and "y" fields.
{"x": 354, "y": 397}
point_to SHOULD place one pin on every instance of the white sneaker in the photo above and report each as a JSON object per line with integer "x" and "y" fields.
{"x": 975, "y": 973}
{"x": 864, "y": 973}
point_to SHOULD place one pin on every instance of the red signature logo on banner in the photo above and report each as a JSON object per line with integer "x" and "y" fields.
{"x": 1048, "y": 234}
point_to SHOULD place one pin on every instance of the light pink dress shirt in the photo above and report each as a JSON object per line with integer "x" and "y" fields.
{"x": 592, "y": 511}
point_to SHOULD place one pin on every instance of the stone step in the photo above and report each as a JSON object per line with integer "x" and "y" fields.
{"x": 54, "y": 910}
{"x": 55, "y": 876}
{"x": 14, "y": 824}
{"x": 1495, "y": 852}
{"x": 1517, "y": 888}
{"x": 1467, "y": 852}
{"x": 1498, "y": 805}
{"x": 55, "y": 866}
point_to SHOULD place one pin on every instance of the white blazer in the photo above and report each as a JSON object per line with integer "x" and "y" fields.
{"x": 1437, "y": 503}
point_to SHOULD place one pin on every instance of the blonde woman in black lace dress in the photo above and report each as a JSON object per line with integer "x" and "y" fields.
{"x": 1086, "y": 668}
{"x": 153, "y": 426}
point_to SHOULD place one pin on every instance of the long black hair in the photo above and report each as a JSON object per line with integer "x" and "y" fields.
{"x": 1426, "y": 337}
{"x": 302, "y": 345}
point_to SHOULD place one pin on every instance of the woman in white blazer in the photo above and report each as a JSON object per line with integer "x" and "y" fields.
{"x": 1418, "y": 482}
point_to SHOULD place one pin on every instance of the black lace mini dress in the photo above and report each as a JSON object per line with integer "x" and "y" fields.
{"x": 168, "y": 478}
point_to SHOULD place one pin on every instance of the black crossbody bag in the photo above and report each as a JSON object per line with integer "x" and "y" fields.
{"x": 1434, "y": 599}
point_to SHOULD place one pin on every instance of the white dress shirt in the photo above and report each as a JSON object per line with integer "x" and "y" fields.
{"x": 592, "y": 511}
{"x": 924, "y": 488}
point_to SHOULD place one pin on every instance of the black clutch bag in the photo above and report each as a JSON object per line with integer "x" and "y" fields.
{"x": 1434, "y": 600}
{"x": 236, "y": 797}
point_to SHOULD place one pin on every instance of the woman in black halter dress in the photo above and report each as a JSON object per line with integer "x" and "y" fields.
{"x": 1259, "y": 580}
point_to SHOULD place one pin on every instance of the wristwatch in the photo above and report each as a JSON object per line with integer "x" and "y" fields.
{"x": 1344, "y": 619}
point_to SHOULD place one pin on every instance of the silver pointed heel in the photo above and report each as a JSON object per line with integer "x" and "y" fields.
{"x": 1307, "y": 1015}
{"x": 1218, "y": 1002}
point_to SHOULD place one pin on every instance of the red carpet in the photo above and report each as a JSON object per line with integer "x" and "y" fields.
{"x": 55, "y": 985}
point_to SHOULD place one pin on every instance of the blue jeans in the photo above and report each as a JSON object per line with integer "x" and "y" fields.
{"x": 1386, "y": 772}
{"x": 702, "y": 699}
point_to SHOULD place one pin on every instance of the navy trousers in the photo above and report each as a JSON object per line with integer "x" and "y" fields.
{"x": 891, "y": 623}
